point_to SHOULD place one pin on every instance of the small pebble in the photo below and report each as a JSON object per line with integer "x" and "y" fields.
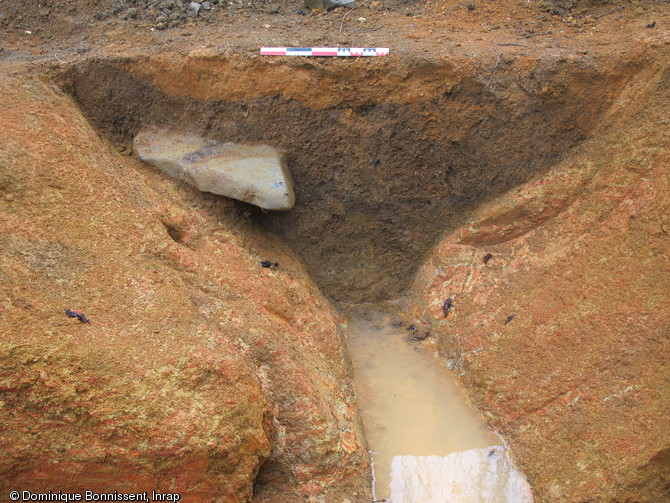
{"x": 418, "y": 335}
{"x": 194, "y": 8}
{"x": 79, "y": 316}
{"x": 448, "y": 304}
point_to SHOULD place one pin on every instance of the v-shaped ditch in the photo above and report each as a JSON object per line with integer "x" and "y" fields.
{"x": 385, "y": 160}
{"x": 386, "y": 157}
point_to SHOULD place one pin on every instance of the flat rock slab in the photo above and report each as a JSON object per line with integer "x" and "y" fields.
{"x": 255, "y": 174}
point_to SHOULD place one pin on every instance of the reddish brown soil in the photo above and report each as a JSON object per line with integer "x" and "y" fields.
{"x": 562, "y": 335}
{"x": 200, "y": 372}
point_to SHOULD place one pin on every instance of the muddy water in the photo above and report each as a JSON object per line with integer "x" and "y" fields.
{"x": 428, "y": 444}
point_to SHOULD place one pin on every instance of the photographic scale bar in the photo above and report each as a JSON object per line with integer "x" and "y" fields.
{"x": 324, "y": 51}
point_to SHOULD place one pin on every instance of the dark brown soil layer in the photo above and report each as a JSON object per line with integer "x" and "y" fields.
{"x": 377, "y": 182}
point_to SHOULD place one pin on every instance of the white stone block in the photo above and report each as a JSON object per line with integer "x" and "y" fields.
{"x": 255, "y": 174}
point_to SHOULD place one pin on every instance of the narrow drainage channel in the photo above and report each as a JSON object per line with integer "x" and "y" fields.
{"x": 428, "y": 444}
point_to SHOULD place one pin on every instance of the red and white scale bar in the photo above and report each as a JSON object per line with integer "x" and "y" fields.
{"x": 324, "y": 51}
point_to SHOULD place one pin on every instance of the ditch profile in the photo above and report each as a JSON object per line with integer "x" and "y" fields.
{"x": 386, "y": 156}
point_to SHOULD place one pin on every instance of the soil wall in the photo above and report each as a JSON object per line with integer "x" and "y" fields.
{"x": 199, "y": 372}
{"x": 385, "y": 156}
{"x": 561, "y": 322}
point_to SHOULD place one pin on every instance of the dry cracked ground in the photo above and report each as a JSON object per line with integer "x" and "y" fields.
{"x": 513, "y": 156}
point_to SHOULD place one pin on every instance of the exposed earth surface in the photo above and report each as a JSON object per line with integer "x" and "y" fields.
{"x": 512, "y": 156}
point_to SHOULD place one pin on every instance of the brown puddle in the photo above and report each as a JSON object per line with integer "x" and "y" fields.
{"x": 428, "y": 444}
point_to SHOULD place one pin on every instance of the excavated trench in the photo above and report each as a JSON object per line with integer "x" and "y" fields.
{"x": 384, "y": 161}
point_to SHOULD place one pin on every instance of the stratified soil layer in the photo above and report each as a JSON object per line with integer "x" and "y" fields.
{"x": 385, "y": 155}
